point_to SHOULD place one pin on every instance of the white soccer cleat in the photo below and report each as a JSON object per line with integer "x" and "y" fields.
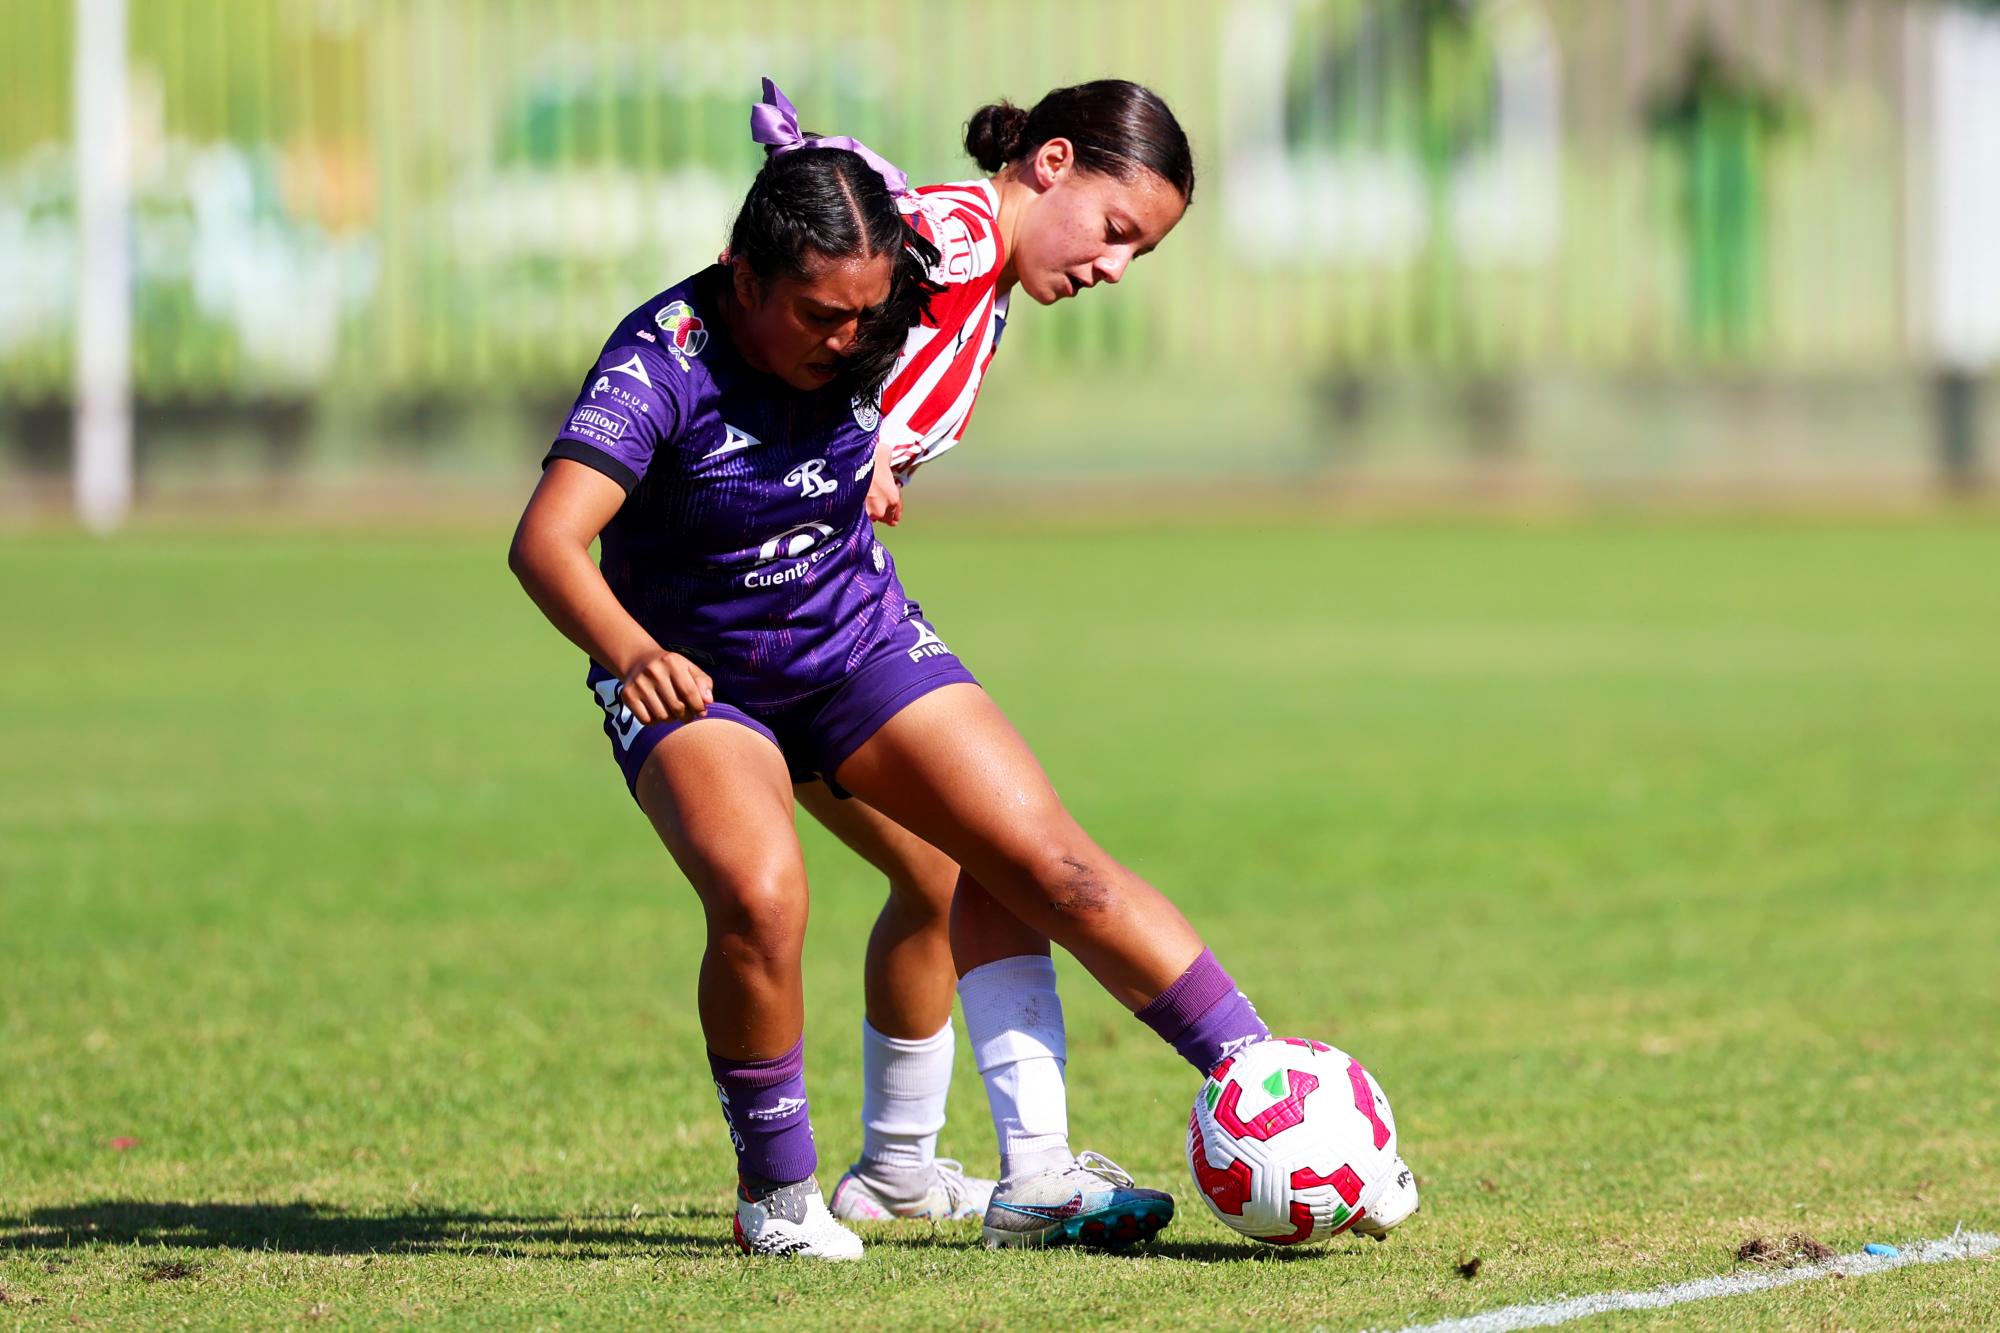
{"x": 1394, "y": 1204}
{"x": 793, "y": 1220}
{"x": 953, "y": 1196}
{"x": 1091, "y": 1202}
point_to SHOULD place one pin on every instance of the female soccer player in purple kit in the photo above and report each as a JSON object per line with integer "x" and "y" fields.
{"x": 723, "y": 446}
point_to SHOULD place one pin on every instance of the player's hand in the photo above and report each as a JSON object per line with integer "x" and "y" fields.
{"x": 885, "y": 497}
{"x": 665, "y": 687}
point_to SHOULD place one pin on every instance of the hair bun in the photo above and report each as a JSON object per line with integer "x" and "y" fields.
{"x": 993, "y": 135}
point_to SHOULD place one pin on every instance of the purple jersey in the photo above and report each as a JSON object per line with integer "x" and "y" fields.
{"x": 744, "y": 542}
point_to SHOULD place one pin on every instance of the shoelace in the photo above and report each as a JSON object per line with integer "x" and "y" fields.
{"x": 1104, "y": 1168}
{"x": 820, "y": 1222}
{"x": 951, "y": 1174}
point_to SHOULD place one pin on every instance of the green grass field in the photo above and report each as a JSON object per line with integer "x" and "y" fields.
{"x": 1654, "y": 869}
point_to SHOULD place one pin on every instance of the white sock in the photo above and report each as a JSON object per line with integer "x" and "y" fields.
{"x": 1015, "y": 1020}
{"x": 903, "y": 1088}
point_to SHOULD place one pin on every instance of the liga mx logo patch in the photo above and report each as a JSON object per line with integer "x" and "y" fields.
{"x": 686, "y": 335}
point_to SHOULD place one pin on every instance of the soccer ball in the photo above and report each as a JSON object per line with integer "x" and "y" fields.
{"x": 1292, "y": 1141}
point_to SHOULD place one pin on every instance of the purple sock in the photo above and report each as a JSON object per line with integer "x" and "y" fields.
{"x": 764, "y": 1102}
{"x": 1203, "y": 1015}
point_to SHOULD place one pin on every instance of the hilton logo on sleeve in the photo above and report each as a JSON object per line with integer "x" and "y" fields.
{"x": 597, "y": 424}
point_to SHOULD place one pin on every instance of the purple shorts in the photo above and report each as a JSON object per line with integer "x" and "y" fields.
{"x": 815, "y": 734}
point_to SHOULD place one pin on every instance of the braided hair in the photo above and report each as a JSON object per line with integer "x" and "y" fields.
{"x": 829, "y": 204}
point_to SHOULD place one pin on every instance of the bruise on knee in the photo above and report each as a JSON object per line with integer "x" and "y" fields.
{"x": 1078, "y": 891}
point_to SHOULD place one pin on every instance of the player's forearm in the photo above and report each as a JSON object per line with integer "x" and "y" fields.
{"x": 560, "y": 578}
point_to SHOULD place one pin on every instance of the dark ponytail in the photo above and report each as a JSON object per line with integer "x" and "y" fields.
{"x": 806, "y": 207}
{"x": 1118, "y": 128}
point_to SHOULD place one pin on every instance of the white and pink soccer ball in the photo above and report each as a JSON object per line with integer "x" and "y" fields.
{"x": 1291, "y": 1141}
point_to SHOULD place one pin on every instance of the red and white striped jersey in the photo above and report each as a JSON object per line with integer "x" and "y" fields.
{"x": 928, "y": 399}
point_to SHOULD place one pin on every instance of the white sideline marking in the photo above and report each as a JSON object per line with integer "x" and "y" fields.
{"x": 1958, "y": 1245}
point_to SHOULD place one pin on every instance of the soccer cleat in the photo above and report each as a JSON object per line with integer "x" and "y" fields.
{"x": 1090, "y": 1202}
{"x": 1394, "y": 1205}
{"x": 953, "y": 1195}
{"x": 793, "y": 1220}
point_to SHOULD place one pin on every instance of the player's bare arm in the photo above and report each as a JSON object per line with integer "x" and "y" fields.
{"x": 550, "y": 554}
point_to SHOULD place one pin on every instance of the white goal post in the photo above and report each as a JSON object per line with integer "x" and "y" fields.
{"x": 103, "y": 395}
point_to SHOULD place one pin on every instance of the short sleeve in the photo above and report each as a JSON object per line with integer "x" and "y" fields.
{"x": 959, "y": 222}
{"x": 929, "y": 394}
{"x": 630, "y": 406}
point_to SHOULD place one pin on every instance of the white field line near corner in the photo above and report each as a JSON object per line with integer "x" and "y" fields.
{"x": 1959, "y": 1245}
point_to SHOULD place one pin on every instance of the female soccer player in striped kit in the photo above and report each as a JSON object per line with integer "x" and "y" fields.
{"x": 1082, "y": 185}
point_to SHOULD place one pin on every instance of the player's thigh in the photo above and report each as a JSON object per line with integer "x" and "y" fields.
{"x": 912, "y": 865}
{"x": 720, "y": 798}
{"x": 951, "y": 768}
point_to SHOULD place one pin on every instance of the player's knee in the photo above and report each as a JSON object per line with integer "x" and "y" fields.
{"x": 923, "y": 891}
{"x": 1075, "y": 881}
{"x": 762, "y": 906}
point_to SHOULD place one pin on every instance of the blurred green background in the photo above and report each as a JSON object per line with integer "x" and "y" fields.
{"x": 1470, "y": 246}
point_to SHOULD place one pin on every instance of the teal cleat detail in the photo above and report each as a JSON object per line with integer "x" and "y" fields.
{"x": 1091, "y": 1202}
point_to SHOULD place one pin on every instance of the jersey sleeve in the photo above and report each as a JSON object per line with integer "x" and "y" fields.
{"x": 960, "y": 223}
{"x": 928, "y": 395}
{"x": 631, "y": 406}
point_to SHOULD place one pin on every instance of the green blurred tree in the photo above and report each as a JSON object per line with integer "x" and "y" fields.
{"x": 1718, "y": 125}
{"x": 1412, "y": 76}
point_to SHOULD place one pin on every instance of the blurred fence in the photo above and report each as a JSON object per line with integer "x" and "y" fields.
{"x": 443, "y": 202}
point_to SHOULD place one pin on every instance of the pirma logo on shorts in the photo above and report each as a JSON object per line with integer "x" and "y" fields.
{"x": 928, "y": 644}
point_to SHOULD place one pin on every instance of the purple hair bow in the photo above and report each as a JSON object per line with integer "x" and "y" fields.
{"x": 774, "y": 122}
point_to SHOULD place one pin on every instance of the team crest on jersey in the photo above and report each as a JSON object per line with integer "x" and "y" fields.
{"x": 810, "y": 479}
{"x": 868, "y": 410}
{"x": 686, "y": 335}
